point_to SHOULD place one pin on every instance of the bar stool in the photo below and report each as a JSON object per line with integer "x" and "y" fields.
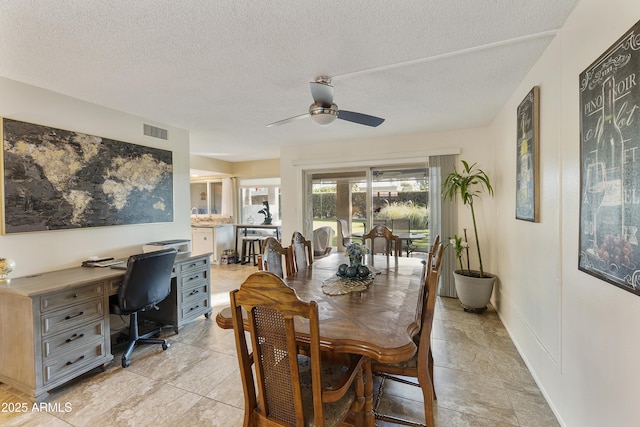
{"x": 249, "y": 248}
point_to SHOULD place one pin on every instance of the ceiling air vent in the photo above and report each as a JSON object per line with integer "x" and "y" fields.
{"x": 155, "y": 132}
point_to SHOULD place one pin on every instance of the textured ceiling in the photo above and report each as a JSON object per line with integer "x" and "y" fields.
{"x": 225, "y": 69}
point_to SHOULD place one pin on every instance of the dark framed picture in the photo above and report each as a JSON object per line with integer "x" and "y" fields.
{"x": 527, "y": 157}
{"x": 56, "y": 179}
{"x": 610, "y": 164}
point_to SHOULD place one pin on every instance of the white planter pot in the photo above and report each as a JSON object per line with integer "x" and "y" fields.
{"x": 474, "y": 292}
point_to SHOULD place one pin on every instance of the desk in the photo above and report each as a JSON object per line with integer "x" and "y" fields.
{"x": 245, "y": 227}
{"x": 55, "y": 326}
{"x": 379, "y": 323}
{"x": 408, "y": 237}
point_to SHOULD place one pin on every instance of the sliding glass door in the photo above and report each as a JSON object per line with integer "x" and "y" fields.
{"x": 400, "y": 193}
{"x": 370, "y": 196}
{"x": 339, "y": 195}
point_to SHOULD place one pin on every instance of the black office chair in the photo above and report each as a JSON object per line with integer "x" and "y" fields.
{"x": 146, "y": 283}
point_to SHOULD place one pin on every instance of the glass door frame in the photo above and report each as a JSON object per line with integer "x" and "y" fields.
{"x": 367, "y": 170}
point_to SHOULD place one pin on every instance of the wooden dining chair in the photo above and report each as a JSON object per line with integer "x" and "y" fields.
{"x": 383, "y": 241}
{"x": 294, "y": 388}
{"x": 430, "y": 265}
{"x": 417, "y": 246}
{"x": 302, "y": 254}
{"x": 275, "y": 258}
{"x": 420, "y": 366}
{"x": 436, "y": 259}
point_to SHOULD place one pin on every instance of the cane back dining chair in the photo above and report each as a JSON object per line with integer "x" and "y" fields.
{"x": 275, "y": 258}
{"x": 302, "y": 254}
{"x": 295, "y": 386}
{"x": 420, "y": 366}
{"x": 383, "y": 241}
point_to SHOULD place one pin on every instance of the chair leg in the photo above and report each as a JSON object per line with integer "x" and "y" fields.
{"x": 427, "y": 396}
{"x": 135, "y": 338}
{"x": 426, "y": 384}
{"x": 433, "y": 386}
{"x": 250, "y": 250}
{"x": 253, "y": 250}
{"x": 243, "y": 257}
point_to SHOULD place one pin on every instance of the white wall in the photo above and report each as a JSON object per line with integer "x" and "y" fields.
{"x": 579, "y": 335}
{"x": 44, "y": 251}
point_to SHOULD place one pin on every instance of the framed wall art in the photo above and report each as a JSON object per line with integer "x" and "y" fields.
{"x": 57, "y": 179}
{"x": 527, "y": 157}
{"x": 610, "y": 164}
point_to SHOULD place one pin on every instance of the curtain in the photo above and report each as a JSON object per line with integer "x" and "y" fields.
{"x": 443, "y": 219}
{"x": 229, "y": 193}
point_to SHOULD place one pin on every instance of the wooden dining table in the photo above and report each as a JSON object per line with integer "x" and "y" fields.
{"x": 405, "y": 239}
{"x": 378, "y": 322}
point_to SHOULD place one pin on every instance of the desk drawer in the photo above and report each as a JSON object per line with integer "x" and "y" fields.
{"x": 67, "y": 363}
{"x": 72, "y": 316}
{"x": 78, "y": 337}
{"x": 190, "y": 267}
{"x": 71, "y": 296}
{"x": 194, "y": 278}
{"x": 195, "y": 308}
{"x": 199, "y": 291}
{"x": 113, "y": 286}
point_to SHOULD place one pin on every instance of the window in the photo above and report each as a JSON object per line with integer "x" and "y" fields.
{"x": 252, "y": 195}
{"x": 206, "y": 197}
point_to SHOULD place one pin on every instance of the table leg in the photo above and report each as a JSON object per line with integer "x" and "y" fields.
{"x": 369, "y": 418}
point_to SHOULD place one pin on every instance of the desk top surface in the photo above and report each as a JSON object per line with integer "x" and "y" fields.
{"x": 379, "y": 322}
{"x": 51, "y": 281}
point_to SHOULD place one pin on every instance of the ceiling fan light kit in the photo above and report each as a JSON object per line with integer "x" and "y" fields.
{"x": 321, "y": 115}
{"x": 324, "y": 111}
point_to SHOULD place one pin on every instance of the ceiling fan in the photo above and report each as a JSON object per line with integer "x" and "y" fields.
{"x": 323, "y": 111}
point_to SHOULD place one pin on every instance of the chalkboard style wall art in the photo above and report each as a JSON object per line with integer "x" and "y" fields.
{"x": 58, "y": 179}
{"x": 527, "y": 157}
{"x": 610, "y": 164}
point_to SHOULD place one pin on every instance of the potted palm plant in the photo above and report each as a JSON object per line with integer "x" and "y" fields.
{"x": 473, "y": 287}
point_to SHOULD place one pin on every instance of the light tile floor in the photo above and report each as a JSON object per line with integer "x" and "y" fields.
{"x": 480, "y": 379}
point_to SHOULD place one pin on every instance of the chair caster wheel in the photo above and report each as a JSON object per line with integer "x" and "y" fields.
{"x": 126, "y": 363}
{"x": 166, "y": 346}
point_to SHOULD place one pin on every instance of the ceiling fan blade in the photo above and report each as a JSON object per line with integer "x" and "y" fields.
{"x": 363, "y": 119}
{"x": 322, "y": 92}
{"x": 290, "y": 119}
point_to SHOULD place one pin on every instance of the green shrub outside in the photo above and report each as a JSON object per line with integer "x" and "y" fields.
{"x": 419, "y": 215}
{"x": 324, "y": 204}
